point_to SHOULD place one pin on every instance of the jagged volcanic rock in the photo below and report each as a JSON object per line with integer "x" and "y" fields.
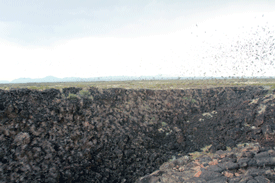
{"x": 248, "y": 162}
{"x": 120, "y": 135}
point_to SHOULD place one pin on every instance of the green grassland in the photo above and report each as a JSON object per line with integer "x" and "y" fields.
{"x": 268, "y": 83}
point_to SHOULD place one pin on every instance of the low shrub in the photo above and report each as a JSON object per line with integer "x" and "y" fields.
{"x": 84, "y": 93}
{"x": 72, "y": 96}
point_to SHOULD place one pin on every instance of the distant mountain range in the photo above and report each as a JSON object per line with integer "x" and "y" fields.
{"x": 50, "y": 79}
{"x": 78, "y": 79}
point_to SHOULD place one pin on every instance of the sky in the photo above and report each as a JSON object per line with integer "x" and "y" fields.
{"x": 177, "y": 38}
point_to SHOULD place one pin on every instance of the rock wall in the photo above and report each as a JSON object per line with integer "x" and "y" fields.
{"x": 119, "y": 135}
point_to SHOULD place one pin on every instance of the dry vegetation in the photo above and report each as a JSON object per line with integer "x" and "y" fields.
{"x": 268, "y": 83}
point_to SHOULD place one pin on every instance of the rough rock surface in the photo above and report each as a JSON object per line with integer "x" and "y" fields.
{"x": 120, "y": 135}
{"x": 245, "y": 163}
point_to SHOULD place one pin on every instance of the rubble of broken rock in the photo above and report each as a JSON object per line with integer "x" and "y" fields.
{"x": 248, "y": 162}
{"x": 121, "y": 135}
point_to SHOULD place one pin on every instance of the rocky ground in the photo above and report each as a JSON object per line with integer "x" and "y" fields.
{"x": 119, "y": 135}
{"x": 247, "y": 162}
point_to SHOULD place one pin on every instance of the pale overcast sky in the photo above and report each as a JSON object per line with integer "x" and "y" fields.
{"x": 178, "y": 38}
